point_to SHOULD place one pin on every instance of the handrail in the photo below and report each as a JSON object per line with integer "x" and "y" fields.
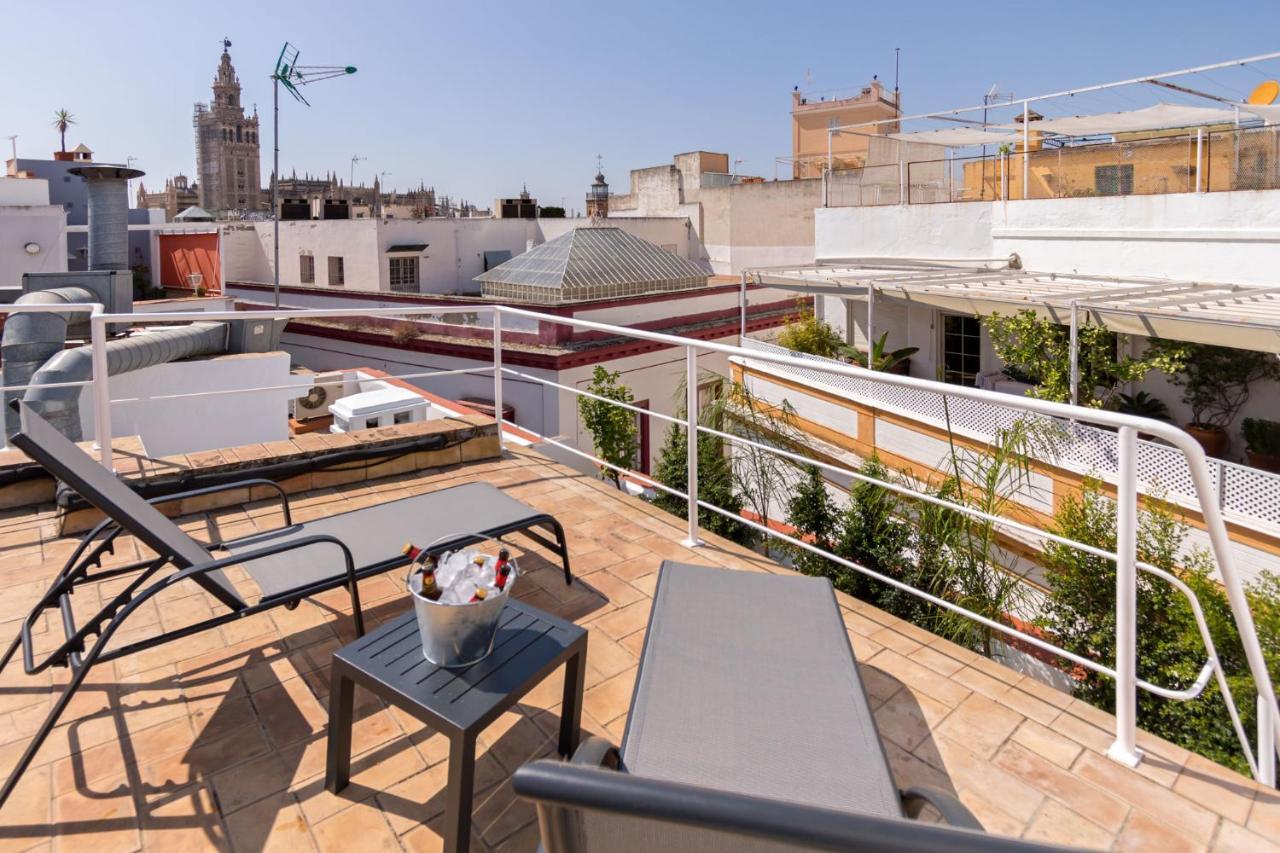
{"x": 1128, "y": 425}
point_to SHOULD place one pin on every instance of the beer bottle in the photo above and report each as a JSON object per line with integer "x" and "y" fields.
{"x": 481, "y": 592}
{"x": 411, "y": 551}
{"x": 502, "y": 572}
{"x": 430, "y": 588}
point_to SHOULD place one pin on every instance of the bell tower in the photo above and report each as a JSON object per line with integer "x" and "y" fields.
{"x": 598, "y": 195}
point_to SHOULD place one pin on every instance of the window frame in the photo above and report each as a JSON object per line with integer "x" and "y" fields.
{"x": 401, "y": 283}
{"x": 960, "y": 376}
{"x": 340, "y": 270}
{"x": 307, "y": 268}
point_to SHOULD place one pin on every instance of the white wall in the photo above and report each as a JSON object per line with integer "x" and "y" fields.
{"x": 27, "y": 217}
{"x": 44, "y": 225}
{"x": 24, "y": 191}
{"x": 191, "y": 424}
{"x": 905, "y": 230}
{"x": 1223, "y": 236}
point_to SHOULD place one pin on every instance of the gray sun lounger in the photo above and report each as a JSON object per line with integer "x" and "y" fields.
{"x": 749, "y": 730}
{"x": 293, "y": 562}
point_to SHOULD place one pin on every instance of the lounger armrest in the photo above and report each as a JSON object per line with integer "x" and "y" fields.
{"x": 597, "y": 752}
{"x": 226, "y": 487}
{"x": 954, "y": 812}
{"x": 559, "y": 789}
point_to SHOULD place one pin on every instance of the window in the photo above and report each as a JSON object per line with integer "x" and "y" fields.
{"x": 307, "y": 269}
{"x": 961, "y": 349}
{"x": 401, "y": 418}
{"x": 1113, "y": 180}
{"x": 404, "y": 275}
{"x": 336, "y": 278}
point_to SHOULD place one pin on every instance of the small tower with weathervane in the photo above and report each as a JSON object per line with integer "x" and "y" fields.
{"x": 598, "y": 195}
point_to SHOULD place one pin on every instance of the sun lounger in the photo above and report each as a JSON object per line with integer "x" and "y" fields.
{"x": 288, "y": 564}
{"x": 749, "y": 729}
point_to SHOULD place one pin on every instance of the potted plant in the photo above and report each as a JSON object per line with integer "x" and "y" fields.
{"x": 1262, "y": 440}
{"x": 1216, "y": 382}
{"x": 893, "y": 361}
{"x": 1143, "y": 405}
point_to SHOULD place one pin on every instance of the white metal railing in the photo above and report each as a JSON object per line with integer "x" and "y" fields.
{"x": 1122, "y": 670}
{"x": 1245, "y": 492}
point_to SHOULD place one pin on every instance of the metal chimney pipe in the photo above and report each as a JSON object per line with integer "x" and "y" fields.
{"x": 108, "y": 190}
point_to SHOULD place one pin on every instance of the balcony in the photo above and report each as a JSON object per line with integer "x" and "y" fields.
{"x": 218, "y": 741}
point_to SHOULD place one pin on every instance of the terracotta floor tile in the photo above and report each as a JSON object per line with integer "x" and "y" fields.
{"x": 361, "y": 827}
{"x": 1160, "y": 802}
{"x": 980, "y": 724}
{"x": 270, "y": 825}
{"x": 1046, "y": 743}
{"x": 1088, "y": 799}
{"x": 1057, "y": 824}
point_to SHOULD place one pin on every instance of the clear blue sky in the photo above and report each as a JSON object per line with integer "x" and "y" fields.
{"x": 476, "y": 97}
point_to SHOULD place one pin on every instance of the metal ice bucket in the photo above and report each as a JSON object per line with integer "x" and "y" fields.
{"x": 456, "y": 635}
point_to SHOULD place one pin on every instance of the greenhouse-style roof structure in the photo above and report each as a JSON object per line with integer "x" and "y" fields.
{"x": 591, "y": 263}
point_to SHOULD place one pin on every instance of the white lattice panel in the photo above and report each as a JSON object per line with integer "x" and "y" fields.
{"x": 1162, "y": 470}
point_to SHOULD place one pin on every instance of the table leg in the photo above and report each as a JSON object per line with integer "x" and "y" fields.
{"x": 341, "y": 709}
{"x": 575, "y": 672}
{"x": 457, "y": 810}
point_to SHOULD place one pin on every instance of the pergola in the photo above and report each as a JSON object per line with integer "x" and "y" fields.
{"x": 1231, "y": 315}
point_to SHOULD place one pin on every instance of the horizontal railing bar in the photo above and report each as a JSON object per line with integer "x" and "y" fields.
{"x": 628, "y": 406}
{"x": 81, "y": 384}
{"x": 298, "y": 386}
{"x": 600, "y": 461}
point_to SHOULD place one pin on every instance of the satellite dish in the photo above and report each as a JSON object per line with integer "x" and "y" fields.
{"x": 1266, "y": 93}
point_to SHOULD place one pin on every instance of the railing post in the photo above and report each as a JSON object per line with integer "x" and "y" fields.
{"x": 1199, "y": 157}
{"x": 497, "y": 374}
{"x": 1266, "y": 744}
{"x": 691, "y": 418}
{"x": 101, "y": 390}
{"x": 742, "y": 309}
{"x": 1125, "y": 749}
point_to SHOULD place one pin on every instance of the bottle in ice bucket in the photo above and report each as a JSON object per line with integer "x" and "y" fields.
{"x": 481, "y": 592}
{"x": 503, "y": 569}
{"x": 430, "y": 588}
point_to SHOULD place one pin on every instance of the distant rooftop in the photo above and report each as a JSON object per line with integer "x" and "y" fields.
{"x": 591, "y": 263}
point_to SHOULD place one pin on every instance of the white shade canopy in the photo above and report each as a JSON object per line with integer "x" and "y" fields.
{"x": 1269, "y": 113}
{"x": 1229, "y": 315}
{"x": 1158, "y": 117}
{"x": 957, "y": 137}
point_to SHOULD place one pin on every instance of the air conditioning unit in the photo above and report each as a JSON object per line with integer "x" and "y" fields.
{"x": 316, "y": 403}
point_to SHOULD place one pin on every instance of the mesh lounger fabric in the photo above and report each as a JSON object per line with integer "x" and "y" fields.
{"x": 748, "y": 684}
{"x": 376, "y": 534}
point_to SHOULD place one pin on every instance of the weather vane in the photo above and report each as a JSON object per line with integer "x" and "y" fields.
{"x": 226, "y": 44}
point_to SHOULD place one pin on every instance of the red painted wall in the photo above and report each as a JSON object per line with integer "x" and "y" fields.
{"x": 181, "y": 254}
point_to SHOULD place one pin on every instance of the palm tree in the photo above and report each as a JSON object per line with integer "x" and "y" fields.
{"x": 63, "y": 119}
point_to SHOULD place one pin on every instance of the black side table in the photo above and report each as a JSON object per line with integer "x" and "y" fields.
{"x": 459, "y": 703}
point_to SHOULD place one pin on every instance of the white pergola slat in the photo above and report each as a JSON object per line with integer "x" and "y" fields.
{"x": 1233, "y": 315}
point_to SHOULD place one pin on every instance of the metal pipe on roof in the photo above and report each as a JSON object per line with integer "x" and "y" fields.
{"x": 1066, "y": 92}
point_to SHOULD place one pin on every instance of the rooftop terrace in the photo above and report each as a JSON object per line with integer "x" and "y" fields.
{"x": 218, "y": 741}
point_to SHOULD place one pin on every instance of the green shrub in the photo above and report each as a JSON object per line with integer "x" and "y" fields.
{"x": 1080, "y": 616}
{"x": 1261, "y": 435}
{"x": 811, "y": 335}
{"x": 813, "y": 515}
{"x": 613, "y": 429}
{"x": 715, "y": 484}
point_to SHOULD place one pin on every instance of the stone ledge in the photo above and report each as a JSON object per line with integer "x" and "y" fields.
{"x": 468, "y": 438}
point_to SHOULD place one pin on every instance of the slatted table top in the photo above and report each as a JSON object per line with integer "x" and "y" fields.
{"x": 529, "y": 645}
